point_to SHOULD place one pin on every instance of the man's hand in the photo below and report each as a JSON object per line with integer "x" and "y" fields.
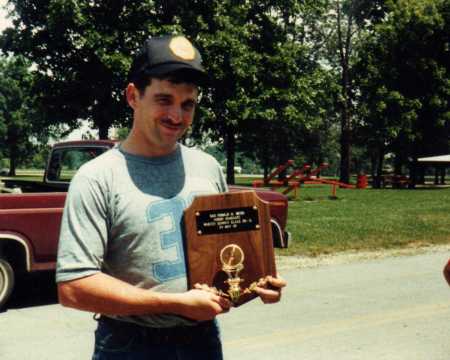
{"x": 269, "y": 290}
{"x": 203, "y": 305}
{"x": 446, "y": 272}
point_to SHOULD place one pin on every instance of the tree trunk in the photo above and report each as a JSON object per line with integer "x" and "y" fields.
{"x": 104, "y": 112}
{"x": 412, "y": 173}
{"x": 103, "y": 131}
{"x": 12, "y": 164}
{"x": 373, "y": 168}
{"x": 422, "y": 175}
{"x": 377, "y": 168}
{"x": 344, "y": 43}
{"x": 398, "y": 165}
{"x": 105, "y": 120}
{"x": 230, "y": 150}
{"x": 380, "y": 169}
{"x": 266, "y": 171}
{"x": 265, "y": 166}
{"x": 345, "y": 150}
{"x": 282, "y": 160}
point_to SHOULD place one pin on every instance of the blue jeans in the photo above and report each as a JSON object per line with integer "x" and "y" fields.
{"x": 114, "y": 341}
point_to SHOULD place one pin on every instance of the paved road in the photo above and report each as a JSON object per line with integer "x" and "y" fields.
{"x": 394, "y": 308}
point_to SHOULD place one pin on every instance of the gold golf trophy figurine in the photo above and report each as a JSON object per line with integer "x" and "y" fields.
{"x": 229, "y": 246}
{"x": 232, "y": 258}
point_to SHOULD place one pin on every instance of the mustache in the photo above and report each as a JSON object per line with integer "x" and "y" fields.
{"x": 169, "y": 122}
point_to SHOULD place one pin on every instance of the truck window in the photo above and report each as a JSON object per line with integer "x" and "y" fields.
{"x": 64, "y": 163}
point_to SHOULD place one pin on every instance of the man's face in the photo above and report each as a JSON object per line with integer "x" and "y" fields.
{"x": 162, "y": 114}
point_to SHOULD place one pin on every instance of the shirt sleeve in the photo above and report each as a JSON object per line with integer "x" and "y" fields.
{"x": 84, "y": 230}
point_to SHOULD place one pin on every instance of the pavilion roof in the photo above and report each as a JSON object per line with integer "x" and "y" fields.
{"x": 435, "y": 159}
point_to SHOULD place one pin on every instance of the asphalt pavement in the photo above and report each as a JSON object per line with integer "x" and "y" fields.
{"x": 395, "y": 308}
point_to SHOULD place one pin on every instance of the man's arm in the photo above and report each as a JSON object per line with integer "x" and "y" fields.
{"x": 103, "y": 294}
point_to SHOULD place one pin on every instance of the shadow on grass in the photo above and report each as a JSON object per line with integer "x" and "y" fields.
{"x": 417, "y": 187}
{"x": 431, "y": 187}
{"x": 36, "y": 289}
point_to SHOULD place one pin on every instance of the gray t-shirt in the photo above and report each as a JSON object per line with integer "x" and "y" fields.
{"x": 123, "y": 217}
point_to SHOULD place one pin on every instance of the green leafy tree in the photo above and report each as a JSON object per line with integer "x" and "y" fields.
{"x": 40, "y": 158}
{"x": 404, "y": 95}
{"x": 18, "y": 115}
{"x": 81, "y": 51}
{"x": 122, "y": 133}
{"x": 342, "y": 29}
{"x": 260, "y": 55}
{"x": 262, "y": 70}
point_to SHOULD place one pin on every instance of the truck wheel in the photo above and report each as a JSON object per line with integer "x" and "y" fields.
{"x": 6, "y": 281}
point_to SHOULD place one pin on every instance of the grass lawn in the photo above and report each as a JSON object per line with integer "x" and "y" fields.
{"x": 367, "y": 219}
{"x": 24, "y": 174}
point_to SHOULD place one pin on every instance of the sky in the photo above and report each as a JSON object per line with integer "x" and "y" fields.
{"x": 3, "y": 21}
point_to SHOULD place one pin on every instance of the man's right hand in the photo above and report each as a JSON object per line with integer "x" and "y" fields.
{"x": 202, "y": 305}
{"x": 104, "y": 294}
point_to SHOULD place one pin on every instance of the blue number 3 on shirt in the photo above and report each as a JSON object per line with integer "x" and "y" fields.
{"x": 166, "y": 215}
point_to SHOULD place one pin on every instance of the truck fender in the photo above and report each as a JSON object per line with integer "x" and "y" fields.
{"x": 19, "y": 242}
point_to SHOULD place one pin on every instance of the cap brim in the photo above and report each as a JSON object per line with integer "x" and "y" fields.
{"x": 188, "y": 72}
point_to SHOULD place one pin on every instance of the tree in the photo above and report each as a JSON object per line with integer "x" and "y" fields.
{"x": 81, "y": 51}
{"x": 262, "y": 71}
{"x": 253, "y": 51}
{"x": 291, "y": 87}
{"x": 19, "y": 118}
{"x": 404, "y": 94}
{"x": 343, "y": 27}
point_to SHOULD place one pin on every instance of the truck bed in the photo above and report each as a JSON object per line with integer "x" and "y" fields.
{"x": 32, "y": 201}
{"x": 34, "y": 221}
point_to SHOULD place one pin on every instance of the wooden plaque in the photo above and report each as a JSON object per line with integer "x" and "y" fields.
{"x": 226, "y": 228}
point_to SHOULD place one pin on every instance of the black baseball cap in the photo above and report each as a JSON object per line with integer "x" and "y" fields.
{"x": 167, "y": 55}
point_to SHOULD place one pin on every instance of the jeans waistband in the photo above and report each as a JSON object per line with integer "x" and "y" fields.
{"x": 170, "y": 335}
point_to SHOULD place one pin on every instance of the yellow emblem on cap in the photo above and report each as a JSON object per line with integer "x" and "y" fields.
{"x": 182, "y": 48}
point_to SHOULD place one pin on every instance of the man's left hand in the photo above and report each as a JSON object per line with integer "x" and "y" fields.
{"x": 270, "y": 292}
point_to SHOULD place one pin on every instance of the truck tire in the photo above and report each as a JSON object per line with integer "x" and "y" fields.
{"x": 6, "y": 281}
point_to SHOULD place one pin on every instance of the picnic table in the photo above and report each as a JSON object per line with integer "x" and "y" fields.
{"x": 396, "y": 181}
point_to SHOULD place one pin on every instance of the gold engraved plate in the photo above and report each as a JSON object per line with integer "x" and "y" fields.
{"x": 181, "y": 47}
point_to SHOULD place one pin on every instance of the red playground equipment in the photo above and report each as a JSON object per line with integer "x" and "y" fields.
{"x": 303, "y": 175}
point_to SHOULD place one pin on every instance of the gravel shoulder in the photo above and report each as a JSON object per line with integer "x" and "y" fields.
{"x": 298, "y": 262}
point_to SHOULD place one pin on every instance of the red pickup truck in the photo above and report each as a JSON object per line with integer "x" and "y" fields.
{"x": 30, "y": 214}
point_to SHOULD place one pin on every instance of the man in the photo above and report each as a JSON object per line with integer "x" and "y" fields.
{"x": 121, "y": 252}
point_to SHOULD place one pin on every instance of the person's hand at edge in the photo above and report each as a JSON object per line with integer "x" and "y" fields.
{"x": 446, "y": 272}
